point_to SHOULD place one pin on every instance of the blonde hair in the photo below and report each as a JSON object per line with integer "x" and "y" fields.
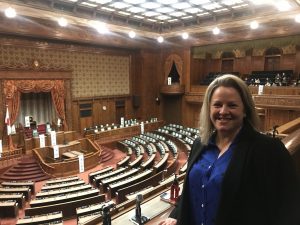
{"x": 227, "y": 80}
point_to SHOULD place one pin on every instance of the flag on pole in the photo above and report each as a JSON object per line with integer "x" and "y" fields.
{"x": 7, "y": 121}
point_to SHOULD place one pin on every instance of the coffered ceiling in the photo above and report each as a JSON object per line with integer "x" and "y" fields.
{"x": 150, "y": 19}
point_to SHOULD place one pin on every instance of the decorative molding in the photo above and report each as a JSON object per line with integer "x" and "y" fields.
{"x": 258, "y": 52}
{"x": 289, "y": 49}
{"x": 258, "y": 46}
{"x": 35, "y": 66}
{"x": 279, "y": 101}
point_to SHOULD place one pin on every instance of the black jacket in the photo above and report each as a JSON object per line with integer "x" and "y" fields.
{"x": 260, "y": 186}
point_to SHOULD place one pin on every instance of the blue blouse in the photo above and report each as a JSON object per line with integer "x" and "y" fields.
{"x": 204, "y": 183}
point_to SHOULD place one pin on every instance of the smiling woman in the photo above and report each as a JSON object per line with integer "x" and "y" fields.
{"x": 235, "y": 174}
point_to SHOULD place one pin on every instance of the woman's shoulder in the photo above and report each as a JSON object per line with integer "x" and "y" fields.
{"x": 268, "y": 144}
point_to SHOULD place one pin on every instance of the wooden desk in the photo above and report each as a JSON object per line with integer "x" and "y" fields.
{"x": 24, "y": 190}
{"x": 64, "y": 198}
{"x": 19, "y": 198}
{"x": 9, "y": 209}
{"x": 107, "y": 169}
{"x": 29, "y": 184}
{"x": 41, "y": 219}
{"x": 62, "y": 185}
{"x": 61, "y": 180}
{"x": 63, "y": 191}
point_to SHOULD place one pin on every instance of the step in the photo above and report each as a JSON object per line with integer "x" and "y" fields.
{"x": 25, "y": 178}
{"x": 22, "y": 173}
{"x": 18, "y": 169}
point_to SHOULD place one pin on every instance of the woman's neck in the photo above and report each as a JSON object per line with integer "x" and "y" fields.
{"x": 224, "y": 141}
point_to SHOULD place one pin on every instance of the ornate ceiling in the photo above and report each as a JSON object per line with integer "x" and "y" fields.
{"x": 150, "y": 19}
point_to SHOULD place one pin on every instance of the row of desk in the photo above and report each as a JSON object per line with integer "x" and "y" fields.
{"x": 9, "y": 209}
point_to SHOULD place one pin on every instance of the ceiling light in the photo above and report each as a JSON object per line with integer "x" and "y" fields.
{"x": 10, "y": 12}
{"x": 150, "y": 5}
{"x": 131, "y": 34}
{"x": 283, "y": 5}
{"x": 231, "y": 2}
{"x": 160, "y": 39}
{"x": 100, "y": 27}
{"x": 181, "y": 5}
{"x": 261, "y": 2}
{"x": 185, "y": 35}
{"x": 254, "y": 25}
{"x": 216, "y": 31}
{"x": 297, "y": 18}
{"x": 167, "y": 2}
{"x": 165, "y": 10}
{"x": 134, "y": 1}
{"x": 211, "y": 6}
{"x": 119, "y": 5}
{"x": 62, "y": 22}
{"x": 193, "y": 10}
{"x": 199, "y": 2}
{"x": 163, "y": 17}
{"x": 177, "y": 14}
{"x": 136, "y": 9}
{"x": 151, "y": 13}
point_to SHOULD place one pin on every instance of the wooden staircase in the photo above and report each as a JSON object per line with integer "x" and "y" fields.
{"x": 106, "y": 154}
{"x": 26, "y": 169}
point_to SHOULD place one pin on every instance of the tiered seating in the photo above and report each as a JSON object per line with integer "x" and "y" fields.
{"x": 9, "y": 208}
{"x": 26, "y": 191}
{"x": 29, "y": 184}
{"x": 113, "y": 187}
{"x": 53, "y": 218}
{"x": 103, "y": 184}
{"x": 99, "y": 172}
{"x": 63, "y": 194}
{"x": 98, "y": 178}
{"x": 18, "y": 197}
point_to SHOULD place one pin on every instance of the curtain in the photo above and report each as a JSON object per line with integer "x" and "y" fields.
{"x": 13, "y": 88}
{"x": 38, "y": 105}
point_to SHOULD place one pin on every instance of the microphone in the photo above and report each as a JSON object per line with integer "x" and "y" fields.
{"x": 138, "y": 218}
{"x": 138, "y": 212}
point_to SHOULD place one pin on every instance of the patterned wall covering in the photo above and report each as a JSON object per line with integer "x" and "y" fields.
{"x": 93, "y": 74}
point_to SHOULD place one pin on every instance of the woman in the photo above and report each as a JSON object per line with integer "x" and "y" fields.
{"x": 236, "y": 175}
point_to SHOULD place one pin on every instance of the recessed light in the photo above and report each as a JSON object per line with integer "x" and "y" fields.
{"x": 62, "y": 22}
{"x": 297, "y": 18}
{"x": 283, "y": 5}
{"x": 10, "y": 12}
{"x": 160, "y": 39}
{"x": 132, "y": 34}
{"x": 254, "y": 25}
{"x": 185, "y": 35}
{"x": 216, "y": 31}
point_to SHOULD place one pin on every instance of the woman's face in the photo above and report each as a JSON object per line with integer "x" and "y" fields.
{"x": 226, "y": 110}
